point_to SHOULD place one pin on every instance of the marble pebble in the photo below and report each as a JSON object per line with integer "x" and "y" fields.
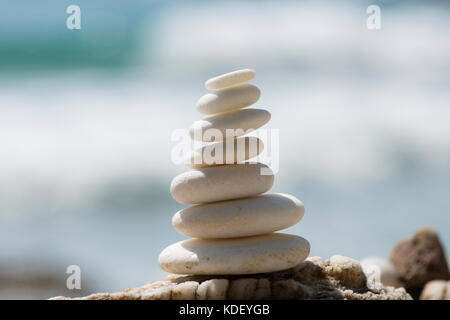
{"x": 235, "y": 97}
{"x": 228, "y": 125}
{"x": 230, "y": 79}
{"x": 221, "y": 183}
{"x": 239, "y": 218}
{"x": 231, "y": 151}
{"x": 257, "y": 254}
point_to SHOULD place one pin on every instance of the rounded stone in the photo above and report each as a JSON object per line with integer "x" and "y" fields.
{"x": 420, "y": 259}
{"x": 228, "y": 125}
{"x": 230, "y": 79}
{"x": 257, "y": 254}
{"x": 231, "y": 151}
{"x": 221, "y": 183}
{"x": 236, "y": 97}
{"x": 436, "y": 290}
{"x": 348, "y": 271}
{"x": 239, "y": 218}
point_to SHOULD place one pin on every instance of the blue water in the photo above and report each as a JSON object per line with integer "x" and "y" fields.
{"x": 119, "y": 249}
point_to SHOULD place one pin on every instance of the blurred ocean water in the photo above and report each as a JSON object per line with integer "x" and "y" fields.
{"x": 86, "y": 120}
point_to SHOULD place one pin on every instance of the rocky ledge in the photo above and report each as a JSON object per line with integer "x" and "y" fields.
{"x": 337, "y": 278}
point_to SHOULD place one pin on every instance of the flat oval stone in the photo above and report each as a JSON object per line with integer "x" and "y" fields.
{"x": 239, "y": 218}
{"x": 219, "y": 183}
{"x": 228, "y": 125}
{"x": 236, "y": 97}
{"x": 231, "y": 151}
{"x": 257, "y": 254}
{"x": 230, "y": 79}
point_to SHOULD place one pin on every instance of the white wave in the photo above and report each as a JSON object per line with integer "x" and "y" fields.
{"x": 323, "y": 35}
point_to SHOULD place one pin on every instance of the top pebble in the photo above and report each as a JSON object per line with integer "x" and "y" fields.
{"x": 230, "y": 79}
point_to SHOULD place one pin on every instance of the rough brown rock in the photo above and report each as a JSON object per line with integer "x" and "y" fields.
{"x": 420, "y": 259}
{"x": 337, "y": 278}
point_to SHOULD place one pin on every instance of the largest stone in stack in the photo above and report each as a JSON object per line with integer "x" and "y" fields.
{"x": 232, "y": 221}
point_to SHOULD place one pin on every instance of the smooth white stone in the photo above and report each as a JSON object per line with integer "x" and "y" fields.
{"x": 230, "y": 152}
{"x": 258, "y": 254}
{"x": 239, "y": 218}
{"x": 228, "y": 125}
{"x": 380, "y": 269}
{"x": 221, "y": 183}
{"x": 230, "y": 79}
{"x": 236, "y": 97}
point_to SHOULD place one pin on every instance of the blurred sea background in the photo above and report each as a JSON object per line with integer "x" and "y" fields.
{"x": 86, "y": 118}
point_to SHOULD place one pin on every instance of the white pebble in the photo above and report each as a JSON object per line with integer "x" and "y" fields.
{"x": 231, "y": 151}
{"x": 230, "y": 79}
{"x": 258, "y": 254}
{"x": 228, "y": 125}
{"x": 239, "y": 218}
{"x": 221, "y": 183}
{"x": 236, "y": 97}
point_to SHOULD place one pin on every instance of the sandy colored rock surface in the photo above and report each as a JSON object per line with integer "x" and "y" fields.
{"x": 436, "y": 290}
{"x": 337, "y": 278}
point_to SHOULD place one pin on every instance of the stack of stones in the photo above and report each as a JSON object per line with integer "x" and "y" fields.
{"x": 232, "y": 221}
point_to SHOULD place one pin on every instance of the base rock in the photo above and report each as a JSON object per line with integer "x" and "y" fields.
{"x": 338, "y": 278}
